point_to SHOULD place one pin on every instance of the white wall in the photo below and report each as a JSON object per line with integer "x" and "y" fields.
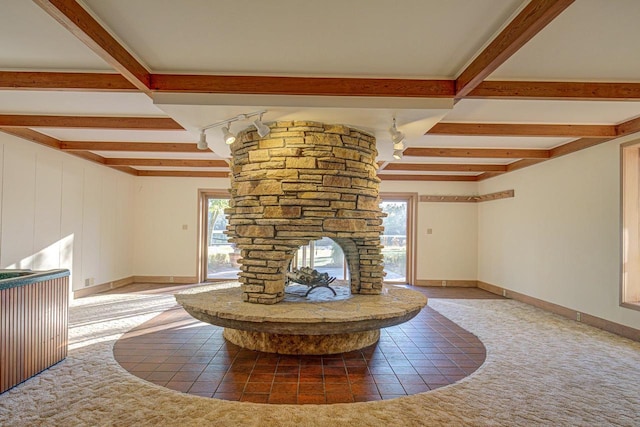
{"x": 450, "y": 251}
{"x": 57, "y": 211}
{"x": 558, "y": 240}
{"x": 163, "y": 206}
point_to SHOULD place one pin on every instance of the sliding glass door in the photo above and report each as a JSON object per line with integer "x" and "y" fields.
{"x": 397, "y": 239}
{"x": 218, "y": 257}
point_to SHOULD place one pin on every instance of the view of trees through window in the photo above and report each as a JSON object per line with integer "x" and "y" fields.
{"x": 394, "y": 240}
{"x": 222, "y": 256}
{"x": 325, "y": 255}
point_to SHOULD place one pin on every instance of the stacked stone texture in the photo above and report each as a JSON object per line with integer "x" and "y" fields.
{"x": 302, "y": 182}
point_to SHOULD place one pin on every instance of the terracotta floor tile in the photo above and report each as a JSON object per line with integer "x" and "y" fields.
{"x": 204, "y": 386}
{"x": 186, "y": 376}
{"x": 235, "y": 396}
{"x": 339, "y": 398}
{"x": 285, "y": 378}
{"x": 252, "y": 387}
{"x": 182, "y": 386}
{"x": 283, "y": 398}
{"x": 281, "y": 388}
{"x": 333, "y": 370}
{"x": 423, "y": 354}
{"x": 311, "y": 388}
{"x": 255, "y": 398}
{"x": 311, "y": 399}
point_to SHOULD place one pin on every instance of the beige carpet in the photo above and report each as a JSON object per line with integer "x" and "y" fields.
{"x": 540, "y": 370}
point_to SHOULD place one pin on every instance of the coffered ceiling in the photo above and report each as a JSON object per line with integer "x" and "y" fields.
{"x": 480, "y": 88}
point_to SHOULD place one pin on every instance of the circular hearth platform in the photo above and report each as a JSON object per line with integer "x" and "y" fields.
{"x": 312, "y": 325}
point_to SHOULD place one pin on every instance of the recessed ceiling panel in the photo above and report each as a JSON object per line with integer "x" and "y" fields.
{"x": 77, "y": 103}
{"x": 454, "y": 141}
{"x": 592, "y": 40}
{"x": 420, "y": 38}
{"x": 118, "y": 135}
{"x": 31, "y": 39}
{"x": 539, "y": 111}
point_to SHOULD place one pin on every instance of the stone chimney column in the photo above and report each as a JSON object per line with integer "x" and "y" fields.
{"x": 302, "y": 182}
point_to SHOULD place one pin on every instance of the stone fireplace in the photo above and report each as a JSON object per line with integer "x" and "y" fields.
{"x": 304, "y": 181}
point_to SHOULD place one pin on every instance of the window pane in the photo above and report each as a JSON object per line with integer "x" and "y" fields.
{"x": 394, "y": 240}
{"x": 222, "y": 256}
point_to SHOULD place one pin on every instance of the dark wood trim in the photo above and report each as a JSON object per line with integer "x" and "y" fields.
{"x": 158, "y": 147}
{"x": 33, "y": 136}
{"x": 628, "y": 127}
{"x": 88, "y": 155}
{"x": 81, "y": 24}
{"x": 64, "y": 81}
{"x": 437, "y": 198}
{"x": 616, "y": 328}
{"x": 144, "y": 123}
{"x": 126, "y": 169}
{"x": 197, "y": 163}
{"x": 447, "y": 283}
{"x": 531, "y": 20}
{"x": 424, "y": 198}
{"x": 444, "y": 167}
{"x": 577, "y": 145}
{"x": 498, "y": 153}
{"x": 325, "y": 86}
{"x": 506, "y": 194}
{"x": 185, "y": 174}
{"x": 593, "y": 91}
{"x": 103, "y": 287}
{"x": 521, "y": 129}
{"x": 398, "y": 177}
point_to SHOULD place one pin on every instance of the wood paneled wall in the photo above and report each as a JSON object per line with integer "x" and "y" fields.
{"x": 33, "y": 329}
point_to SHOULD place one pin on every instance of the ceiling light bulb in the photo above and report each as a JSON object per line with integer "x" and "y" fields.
{"x": 229, "y": 138}
{"x": 397, "y": 154}
{"x": 202, "y": 142}
{"x": 263, "y": 130}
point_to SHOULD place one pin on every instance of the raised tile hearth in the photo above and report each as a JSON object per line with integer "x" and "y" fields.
{"x": 312, "y": 325}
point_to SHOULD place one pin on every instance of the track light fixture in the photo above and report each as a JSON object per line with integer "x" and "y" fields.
{"x": 263, "y": 130}
{"x": 396, "y": 136}
{"x": 397, "y": 154}
{"x": 202, "y": 142}
{"x": 229, "y": 137}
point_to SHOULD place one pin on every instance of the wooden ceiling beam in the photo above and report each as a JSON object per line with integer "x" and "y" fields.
{"x": 158, "y": 147}
{"x": 33, "y": 136}
{"x": 399, "y": 177}
{"x": 443, "y": 167}
{"x": 81, "y": 24}
{"x": 64, "y": 81}
{"x": 592, "y": 91}
{"x": 523, "y": 129}
{"x": 196, "y": 163}
{"x": 533, "y": 18}
{"x": 99, "y": 122}
{"x": 492, "y": 153}
{"x": 184, "y": 174}
{"x": 628, "y": 127}
{"x": 324, "y": 86}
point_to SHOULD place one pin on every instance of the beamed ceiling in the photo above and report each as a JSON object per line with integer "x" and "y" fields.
{"x": 480, "y": 88}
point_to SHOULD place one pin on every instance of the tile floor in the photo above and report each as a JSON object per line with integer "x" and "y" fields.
{"x": 176, "y": 351}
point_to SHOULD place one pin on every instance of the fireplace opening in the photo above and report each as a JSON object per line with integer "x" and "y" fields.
{"x": 325, "y": 256}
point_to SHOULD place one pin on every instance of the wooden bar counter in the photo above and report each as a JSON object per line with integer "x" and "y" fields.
{"x": 34, "y": 325}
